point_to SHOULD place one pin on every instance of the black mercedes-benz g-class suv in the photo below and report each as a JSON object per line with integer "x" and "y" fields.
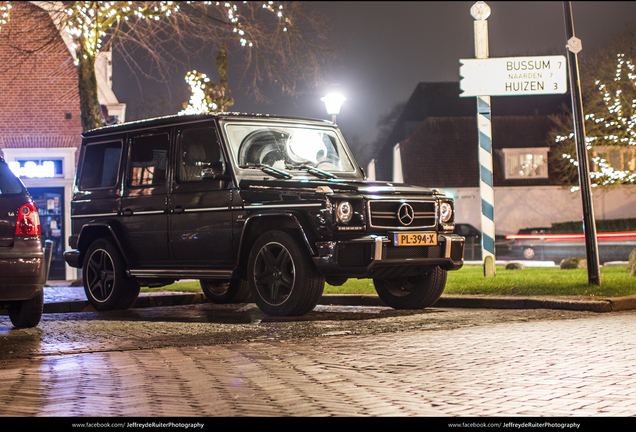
{"x": 257, "y": 205}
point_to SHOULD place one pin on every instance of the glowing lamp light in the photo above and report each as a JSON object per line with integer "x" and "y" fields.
{"x": 333, "y": 103}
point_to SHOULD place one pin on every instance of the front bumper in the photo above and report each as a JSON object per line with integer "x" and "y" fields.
{"x": 375, "y": 256}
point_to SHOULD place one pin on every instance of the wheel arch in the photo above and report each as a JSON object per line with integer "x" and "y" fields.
{"x": 91, "y": 232}
{"x": 258, "y": 224}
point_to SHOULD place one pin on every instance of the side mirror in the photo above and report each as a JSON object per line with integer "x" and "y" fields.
{"x": 214, "y": 171}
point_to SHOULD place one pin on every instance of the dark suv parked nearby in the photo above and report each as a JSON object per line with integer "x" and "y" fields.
{"x": 250, "y": 205}
{"x": 22, "y": 263}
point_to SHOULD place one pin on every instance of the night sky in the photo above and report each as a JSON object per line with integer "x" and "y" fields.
{"x": 390, "y": 47}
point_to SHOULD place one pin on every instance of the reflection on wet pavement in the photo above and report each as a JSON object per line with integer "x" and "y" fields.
{"x": 207, "y": 323}
{"x": 58, "y": 294}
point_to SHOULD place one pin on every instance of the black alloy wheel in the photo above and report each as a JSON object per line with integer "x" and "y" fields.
{"x": 284, "y": 281}
{"x": 106, "y": 285}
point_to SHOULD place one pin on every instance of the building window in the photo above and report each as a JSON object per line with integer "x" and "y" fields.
{"x": 618, "y": 157}
{"x": 526, "y": 163}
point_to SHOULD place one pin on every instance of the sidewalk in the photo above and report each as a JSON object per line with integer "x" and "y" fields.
{"x": 61, "y": 298}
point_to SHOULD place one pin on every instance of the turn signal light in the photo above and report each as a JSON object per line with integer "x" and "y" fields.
{"x": 28, "y": 220}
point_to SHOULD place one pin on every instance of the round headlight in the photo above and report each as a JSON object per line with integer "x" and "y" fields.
{"x": 445, "y": 212}
{"x": 344, "y": 212}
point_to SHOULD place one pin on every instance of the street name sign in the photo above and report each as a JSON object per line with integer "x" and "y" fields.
{"x": 513, "y": 76}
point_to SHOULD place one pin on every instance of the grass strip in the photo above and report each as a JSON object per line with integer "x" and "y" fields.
{"x": 469, "y": 280}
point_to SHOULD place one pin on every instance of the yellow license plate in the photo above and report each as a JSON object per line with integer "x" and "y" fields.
{"x": 415, "y": 239}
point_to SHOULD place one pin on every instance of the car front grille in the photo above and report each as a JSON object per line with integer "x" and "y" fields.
{"x": 386, "y": 214}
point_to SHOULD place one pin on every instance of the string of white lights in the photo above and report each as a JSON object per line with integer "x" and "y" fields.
{"x": 618, "y": 127}
{"x": 89, "y": 21}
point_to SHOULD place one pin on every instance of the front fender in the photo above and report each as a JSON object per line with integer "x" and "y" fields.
{"x": 259, "y": 223}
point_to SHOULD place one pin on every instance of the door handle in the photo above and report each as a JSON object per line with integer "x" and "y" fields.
{"x": 127, "y": 212}
{"x": 177, "y": 209}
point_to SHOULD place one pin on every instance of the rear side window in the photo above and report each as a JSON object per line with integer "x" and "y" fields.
{"x": 9, "y": 183}
{"x": 101, "y": 165}
{"x": 148, "y": 157}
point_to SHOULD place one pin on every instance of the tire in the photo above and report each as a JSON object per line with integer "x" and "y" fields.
{"x": 225, "y": 292}
{"x": 415, "y": 292}
{"x": 283, "y": 280}
{"x": 528, "y": 253}
{"x": 27, "y": 313}
{"x": 106, "y": 284}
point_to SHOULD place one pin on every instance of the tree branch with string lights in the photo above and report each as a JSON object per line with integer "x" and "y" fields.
{"x": 209, "y": 96}
{"x": 275, "y": 43}
{"x": 609, "y": 104}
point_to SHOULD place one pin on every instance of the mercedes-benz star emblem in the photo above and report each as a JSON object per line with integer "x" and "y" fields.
{"x": 406, "y": 214}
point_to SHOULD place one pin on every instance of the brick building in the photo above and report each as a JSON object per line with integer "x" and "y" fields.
{"x": 40, "y": 129}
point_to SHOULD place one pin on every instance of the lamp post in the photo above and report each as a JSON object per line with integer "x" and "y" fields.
{"x": 333, "y": 102}
{"x": 589, "y": 224}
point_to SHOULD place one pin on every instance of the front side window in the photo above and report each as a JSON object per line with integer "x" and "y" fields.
{"x": 291, "y": 148}
{"x": 199, "y": 155}
{"x": 528, "y": 163}
{"x": 148, "y": 157}
{"x": 101, "y": 165}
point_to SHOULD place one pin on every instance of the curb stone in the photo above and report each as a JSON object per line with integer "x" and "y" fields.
{"x": 465, "y": 301}
{"x": 446, "y": 301}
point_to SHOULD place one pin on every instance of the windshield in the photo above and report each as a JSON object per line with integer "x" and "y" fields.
{"x": 288, "y": 148}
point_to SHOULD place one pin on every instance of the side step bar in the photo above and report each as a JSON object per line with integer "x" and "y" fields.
{"x": 181, "y": 274}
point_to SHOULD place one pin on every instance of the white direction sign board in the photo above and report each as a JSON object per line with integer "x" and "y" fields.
{"x": 513, "y": 76}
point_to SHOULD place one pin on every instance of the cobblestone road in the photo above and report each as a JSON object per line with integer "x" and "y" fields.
{"x": 573, "y": 364}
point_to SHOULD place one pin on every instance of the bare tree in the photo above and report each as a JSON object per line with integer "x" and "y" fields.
{"x": 276, "y": 43}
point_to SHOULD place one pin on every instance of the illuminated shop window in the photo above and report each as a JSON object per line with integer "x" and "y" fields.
{"x": 37, "y": 168}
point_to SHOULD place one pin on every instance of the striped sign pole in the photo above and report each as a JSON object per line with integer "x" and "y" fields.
{"x": 486, "y": 191}
{"x": 480, "y": 12}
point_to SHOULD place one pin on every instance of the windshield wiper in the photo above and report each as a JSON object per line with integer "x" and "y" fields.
{"x": 317, "y": 172}
{"x": 268, "y": 170}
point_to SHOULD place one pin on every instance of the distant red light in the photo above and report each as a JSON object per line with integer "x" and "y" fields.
{"x": 628, "y": 235}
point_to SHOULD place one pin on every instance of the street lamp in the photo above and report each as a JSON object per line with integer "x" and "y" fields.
{"x": 333, "y": 102}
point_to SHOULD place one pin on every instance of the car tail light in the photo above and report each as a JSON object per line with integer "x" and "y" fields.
{"x": 28, "y": 220}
